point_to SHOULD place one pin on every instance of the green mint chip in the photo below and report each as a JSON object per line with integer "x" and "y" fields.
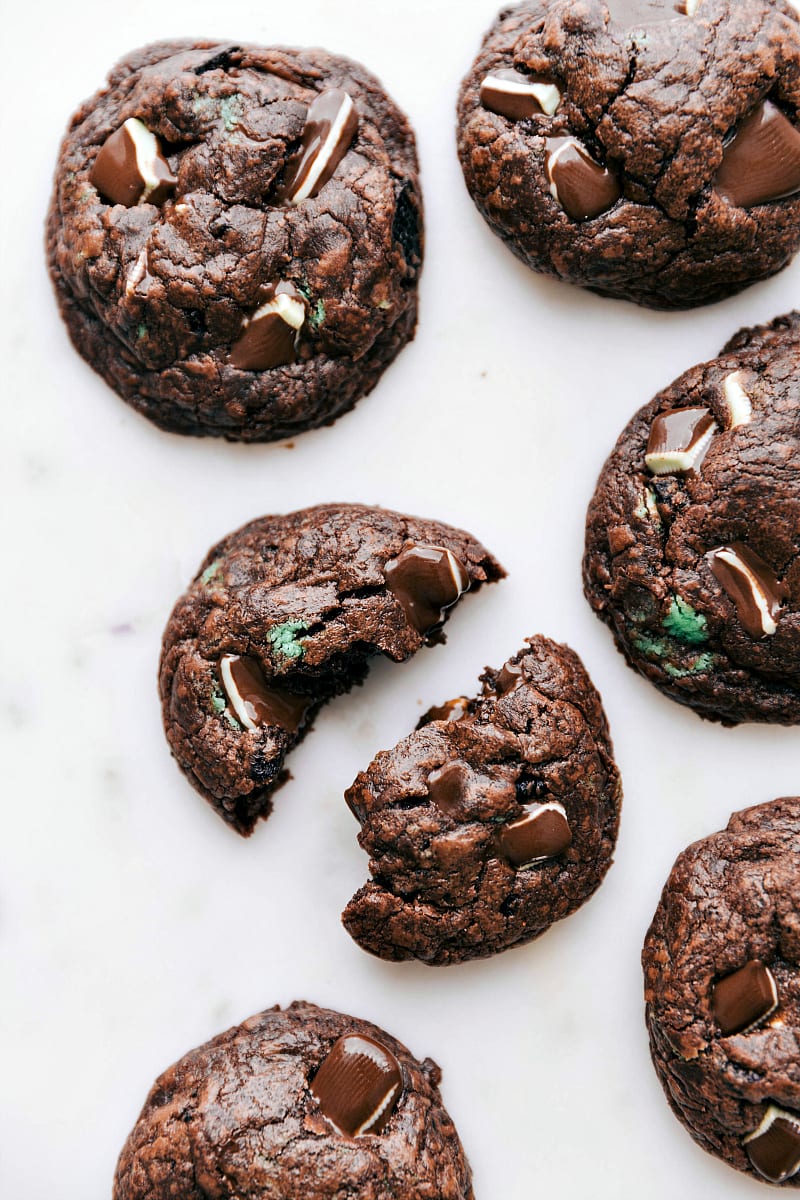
{"x": 284, "y": 641}
{"x": 684, "y": 623}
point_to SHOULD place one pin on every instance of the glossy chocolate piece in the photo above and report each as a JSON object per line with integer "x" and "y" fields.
{"x": 542, "y": 833}
{"x": 774, "y": 1148}
{"x": 331, "y": 125}
{"x": 358, "y": 1085}
{"x": 752, "y": 586}
{"x": 426, "y": 580}
{"x": 130, "y": 167}
{"x": 257, "y": 703}
{"x": 447, "y": 788}
{"x": 511, "y": 94}
{"x": 269, "y": 337}
{"x": 745, "y": 999}
{"x": 508, "y": 677}
{"x": 737, "y": 401}
{"x": 679, "y": 440}
{"x": 582, "y": 187}
{"x": 761, "y": 163}
{"x": 452, "y": 710}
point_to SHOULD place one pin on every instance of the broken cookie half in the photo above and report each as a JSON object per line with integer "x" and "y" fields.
{"x": 495, "y": 818}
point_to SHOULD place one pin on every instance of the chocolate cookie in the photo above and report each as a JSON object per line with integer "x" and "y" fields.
{"x": 235, "y": 236}
{"x": 646, "y": 149}
{"x": 722, "y": 985}
{"x": 301, "y": 1104}
{"x": 497, "y": 817}
{"x": 693, "y": 535}
{"x": 285, "y": 614}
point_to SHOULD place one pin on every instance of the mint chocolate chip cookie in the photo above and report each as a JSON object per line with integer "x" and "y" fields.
{"x": 285, "y": 614}
{"x": 235, "y": 236}
{"x": 693, "y": 535}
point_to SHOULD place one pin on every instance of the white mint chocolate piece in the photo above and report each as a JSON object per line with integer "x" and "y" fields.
{"x": 737, "y": 400}
{"x": 679, "y": 440}
{"x": 257, "y": 702}
{"x": 774, "y": 1148}
{"x": 752, "y": 586}
{"x": 581, "y": 186}
{"x": 331, "y": 125}
{"x": 137, "y": 273}
{"x": 130, "y": 168}
{"x": 268, "y": 337}
{"x": 511, "y": 94}
{"x": 690, "y": 7}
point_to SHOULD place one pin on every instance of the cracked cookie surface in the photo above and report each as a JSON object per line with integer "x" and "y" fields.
{"x": 285, "y": 614}
{"x": 497, "y": 817}
{"x": 693, "y": 534}
{"x": 726, "y": 1050}
{"x": 159, "y": 289}
{"x": 254, "y": 1112}
{"x": 649, "y": 151}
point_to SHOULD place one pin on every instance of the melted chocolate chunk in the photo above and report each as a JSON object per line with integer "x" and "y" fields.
{"x": 761, "y": 163}
{"x": 130, "y": 167}
{"x": 516, "y": 96}
{"x": 508, "y": 677}
{"x": 269, "y": 337}
{"x": 679, "y": 440}
{"x": 542, "y": 833}
{"x": 582, "y": 187}
{"x": 331, "y": 125}
{"x": 453, "y": 710}
{"x": 426, "y": 580}
{"x": 256, "y": 702}
{"x": 743, "y": 1000}
{"x": 358, "y": 1085}
{"x": 752, "y": 586}
{"x": 448, "y": 786}
{"x": 774, "y": 1148}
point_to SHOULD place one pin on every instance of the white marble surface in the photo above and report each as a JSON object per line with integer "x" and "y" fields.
{"x": 133, "y": 924}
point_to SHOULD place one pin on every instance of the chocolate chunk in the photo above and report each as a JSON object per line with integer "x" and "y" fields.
{"x": 130, "y": 167}
{"x": 774, "y": 1148}
{"x": 269, "y": 337}
{"x": 511, "y": 94}
{"x": 256, "y": 702}
{"x": 447, "y": 787}
{"x": 452, "y": 710}
{"x": 679, "y": 440}
{"x": 358, "y": 1085}
{"x": 737, "y": 401}
{"x": 582, "y": 187}
{"x": 331, "y": 124}
{"x": 751, "y": 584}
{"x": 743, "y": 1000}
{"x": 543, "y": 833}
{"x": 508, "y": 677}
{"x": 761, "y": 163}
{"x": 426, "y": 580}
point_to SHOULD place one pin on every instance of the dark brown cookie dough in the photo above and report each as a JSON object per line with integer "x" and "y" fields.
{"x": 645, "y": 149}
{"x": 283, "y": 615}
{"x": 301, "y": 1104}
{"x": 722, "y": 985}
{"x": 235, "y": 236}
{"x": 693, "y": 535}
{"x": 493, "y": 820}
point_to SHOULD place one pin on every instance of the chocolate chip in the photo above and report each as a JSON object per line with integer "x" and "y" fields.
{"x": 257, "y": 703}
{"x": 752, "y": 586}
{"x": 511, "y": 94}
{"x": 426, "y": 580}
{"x": 447, "y": 788}
{"x": 761, "y": 163}
{"x": 358, "y": 1085}
{"x": 508, "y": 678}
{"x": 743, "y": 1000}
{"x": 331, "y": 124}
{"x": 774, "y": 1148}
{"x": 269, "y": 337}
{"x": 679, "y": 440}
{"x": 130, "y": 167}
{"x": 737, "y": 401}
{"x": 582, "y": 187}
{"x": 452, "y": 710}
{"x": 542, "y": 833}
